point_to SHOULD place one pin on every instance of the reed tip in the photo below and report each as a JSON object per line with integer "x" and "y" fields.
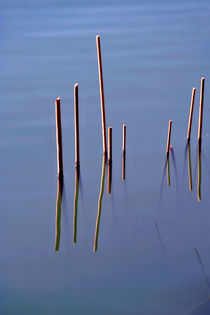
{"x": 194, "y": 89}
{"x": 97, "y": 36}
{"x": 76, "y": 85}
{"x": 202, "y": 79}
{"x": 58, "y": 98}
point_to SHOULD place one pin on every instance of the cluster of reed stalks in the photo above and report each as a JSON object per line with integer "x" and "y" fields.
{"x": 76, "y": 114}
{"x": 200, "y": 125}
{"x": 107, "y": 150}
{"x": 106, "y": 157}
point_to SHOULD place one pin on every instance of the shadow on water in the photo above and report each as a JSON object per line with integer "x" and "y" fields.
{"x": 205, "y": 161}
{"x": 176, "y": 177}
{"x": 198, "y": 307}
{"x": 99, "y": 204}
{"x": 76, "y": 197}
{"x": 203, "y": 270}
{"x": 58, "y": 214}
{"x": 161, "y": 188}
{"x": 167, "y": 165}
{"x": 162, "y": 246}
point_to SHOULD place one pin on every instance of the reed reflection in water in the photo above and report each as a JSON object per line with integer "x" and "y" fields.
{"x": 199, "y": 171}
{"x": 100, "y": 204}
{"x": 166, "y": 168}
{"x": 161, "y": 188}
{"x": 189, "y": 165}
{"x": 168, "y": 171}
{"x": 123, "y": 152}
{"x": 109, "y": 180}
{"x": 76, "y": 197}
{"x": 123, "y": 166}
{"x": 58, "y": 214}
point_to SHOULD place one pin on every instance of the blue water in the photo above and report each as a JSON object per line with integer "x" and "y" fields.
{"x": 154, "y": 53}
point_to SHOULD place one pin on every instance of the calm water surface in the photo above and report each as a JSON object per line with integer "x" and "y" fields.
{"x": 153, "y": 246}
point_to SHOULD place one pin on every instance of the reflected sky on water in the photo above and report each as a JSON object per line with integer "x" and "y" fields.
{"x": 154, "y": 240}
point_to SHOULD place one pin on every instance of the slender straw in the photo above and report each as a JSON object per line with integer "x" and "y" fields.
{"x": 124, "y": 139}
{"x": 103, "y": 115}
{"x": 191, "y": 115}
{"x": 201, "y": 109}
{"x": 110, "y": 144}
{"x": 76, "y": 117}
{"x": 169, "y": 137}
{"x": 59, "y": 138}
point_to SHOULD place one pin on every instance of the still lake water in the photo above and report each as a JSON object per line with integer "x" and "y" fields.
{"x": 153, "y": 252}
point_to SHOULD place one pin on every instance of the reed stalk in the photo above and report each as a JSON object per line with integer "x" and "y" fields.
{"x": 59, "y": 138}
{"x": 76, "y": 119}
{"x": 103, "y": 114}
{"x": 191, "y": 115}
